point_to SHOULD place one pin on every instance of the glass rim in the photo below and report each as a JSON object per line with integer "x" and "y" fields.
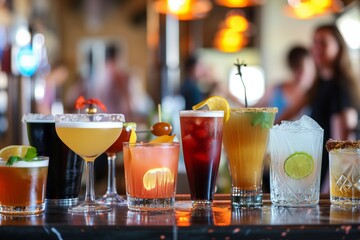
{"x": 38, "y": 118}
{"x": 255, "y": 109}
{"x": 298, "y": 130}
{"x": 84, "y": 117}
{"x": 40, "y": 161}
{"x": 149, "y": 144}
{"x": 201, "y": 113}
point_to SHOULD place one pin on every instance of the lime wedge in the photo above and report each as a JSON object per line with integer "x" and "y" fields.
{"x": 299, "y": 165}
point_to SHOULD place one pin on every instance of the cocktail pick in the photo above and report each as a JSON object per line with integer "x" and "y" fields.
{"x": 239, "y": 65}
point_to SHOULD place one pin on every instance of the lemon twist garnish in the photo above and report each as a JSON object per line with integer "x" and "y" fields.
{"x": 133, "y": 136}
{"x": 215, "y": 103}
{"x": 157, "y": 176}
{"x": 299, "y": 165}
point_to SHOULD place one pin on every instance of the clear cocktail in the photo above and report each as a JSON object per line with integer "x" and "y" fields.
{"x": 296, "y": 156}
{"x": 150, "y": 175}
{"x": 245, "y": 140}
{"x": 201, "y": 135}
{"x": 89, "y": 135}
{"x": 22, "y": 186}
{"x": 344, "y": 157}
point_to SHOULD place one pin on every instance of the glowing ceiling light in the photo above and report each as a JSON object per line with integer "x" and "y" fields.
{"x": 237, "y": 22}
{"x": 184, "y": 9}
{"x": 238, "y": 3}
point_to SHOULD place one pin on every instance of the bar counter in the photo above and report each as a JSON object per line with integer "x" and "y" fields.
{"x": 323, "y": 221}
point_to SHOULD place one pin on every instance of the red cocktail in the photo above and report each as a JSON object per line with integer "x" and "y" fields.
{"x": 111, "y": 197}
{"x": 201, "y": 133}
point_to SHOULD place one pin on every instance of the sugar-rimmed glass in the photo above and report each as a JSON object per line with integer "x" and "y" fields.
{"x": 89, "y": 135}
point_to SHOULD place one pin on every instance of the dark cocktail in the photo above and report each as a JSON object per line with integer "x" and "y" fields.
{"x": 201, "y": 134}
{"x": 65, "y": 167}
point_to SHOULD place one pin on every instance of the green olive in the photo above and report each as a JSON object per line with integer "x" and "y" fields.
{"x": 161, "y": 128}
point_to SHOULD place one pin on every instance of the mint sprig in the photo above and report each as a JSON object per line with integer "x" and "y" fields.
{"x": 264, "y": 119}
{"x": 30, "y": 154}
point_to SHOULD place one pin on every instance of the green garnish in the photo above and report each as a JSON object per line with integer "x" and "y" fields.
{"x": 239, "y": 65}
{"x": 264, "y": 119}
{"x": 30, "y": 155}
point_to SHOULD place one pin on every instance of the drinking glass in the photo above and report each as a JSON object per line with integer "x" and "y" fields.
{"x": 150, "y": 175}
{"x": 201, "y": 135}
{"x": 89, "y": 135}
{"x": 111, "y": 197}
{"x": 296, "y": 154}
{"x": 65, "y": 167}
{"x": 344, "y": 173}
{"x": 23, "y": 185}
{"x": 245, "y": 143}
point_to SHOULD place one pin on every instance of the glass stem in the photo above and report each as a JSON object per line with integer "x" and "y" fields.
{"x": 90, "y": 192}
{"x": 111, "y": 187}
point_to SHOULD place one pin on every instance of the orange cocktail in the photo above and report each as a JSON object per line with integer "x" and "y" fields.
{"x": 245, "y": 138}
{"x": 22, "y": 186}
{"x": 150, "y": 174}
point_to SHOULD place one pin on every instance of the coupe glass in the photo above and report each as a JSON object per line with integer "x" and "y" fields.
{"x": 89, "y": 135}
{"x": 111, "y": 197}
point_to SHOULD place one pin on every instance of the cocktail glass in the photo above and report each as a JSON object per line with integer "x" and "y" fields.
{"x": 296, "y": 155}
{"x": 150, "y": 175}
{"x": 344, "y": 159}
{"x": 201, "y": 135}
{"x": 89, "y": 135}
{"x": 245, "y": 143}
{"x": 23, "y": 185}
{"x": 111, "y": 197}
{"x": 65, "y": 167}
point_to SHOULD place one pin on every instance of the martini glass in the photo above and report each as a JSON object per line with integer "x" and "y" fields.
{"x": 89, "y": 135}
{"x": 111, "y": 197}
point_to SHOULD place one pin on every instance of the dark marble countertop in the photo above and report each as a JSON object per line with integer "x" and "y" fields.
{"x": 323, "y": 221}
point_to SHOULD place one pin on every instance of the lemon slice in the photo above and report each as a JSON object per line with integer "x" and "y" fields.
{"x": 163, "y": 139}
{"x": 215, "y": 103}
{"x": 157, "y": 177}
{"x": 299, "y": 165}
{"x": 14, "y": 150}
{"x": 133, "y": 136}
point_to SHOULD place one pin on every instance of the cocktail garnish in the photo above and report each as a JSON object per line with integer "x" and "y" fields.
{"x": 161, "y": 128}
{"x": 239, "y": 65}
{"x": 163, "y": 139}
{"x": 133, "y": 136}
{"x": 264, "y": 119}
{"x": 81, "y": 102}
{"x": 299, "y": 165}
{"x": 215, "y": 103}
{"x": 157, "y": 176}
{"x": 29, "y": 156}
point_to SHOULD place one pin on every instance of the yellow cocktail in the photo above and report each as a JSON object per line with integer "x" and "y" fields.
{"x": 80, "y": 137}
{"x": 89, "y": 135}
{"x": 245, "y": 137}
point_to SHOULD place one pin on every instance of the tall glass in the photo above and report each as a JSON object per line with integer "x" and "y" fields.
{"x": 111, "y": 197}
{"x": 65, "y": 167}
{"x": 245, "y": 143}
{"x": 89, "y": 135}
{"x": 201, "y": 135}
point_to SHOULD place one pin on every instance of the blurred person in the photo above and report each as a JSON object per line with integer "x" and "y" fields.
{"x": 302, "y": 74}
{"x": 114, "y": 89}
{"x": 334, "y": 98}
{"x": 190, "y": 88}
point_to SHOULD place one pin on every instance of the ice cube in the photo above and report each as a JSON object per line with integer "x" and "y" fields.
{"x": 307, "y": 122}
